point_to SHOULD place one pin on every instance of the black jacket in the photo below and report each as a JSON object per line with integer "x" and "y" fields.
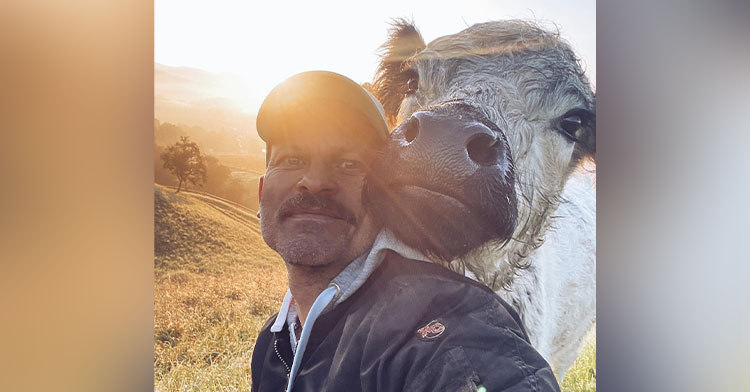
{"x": 413, "y": 326}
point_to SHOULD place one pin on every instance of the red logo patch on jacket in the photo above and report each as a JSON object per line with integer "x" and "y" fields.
{"x": 432, "y": 330}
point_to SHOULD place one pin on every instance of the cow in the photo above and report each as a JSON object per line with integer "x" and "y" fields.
{"x": 490, "y": 168}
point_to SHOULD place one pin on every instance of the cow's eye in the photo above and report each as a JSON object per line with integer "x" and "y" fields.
{"x": 411, "y": 85}
{"x": 571, "y": 124}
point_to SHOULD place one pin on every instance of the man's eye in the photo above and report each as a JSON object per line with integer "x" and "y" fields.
{"x": 293, "y": 161}
{"x": 350, "y": 165}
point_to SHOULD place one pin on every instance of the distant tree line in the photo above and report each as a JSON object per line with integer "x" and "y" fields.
{"x": 223, "y": 141}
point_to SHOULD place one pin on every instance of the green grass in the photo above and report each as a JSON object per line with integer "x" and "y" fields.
{"x": 582, "y": 376}
{"x": 216, "y": 284}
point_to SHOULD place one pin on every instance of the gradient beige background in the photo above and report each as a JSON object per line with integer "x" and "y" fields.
{"x": 76, "y": 196}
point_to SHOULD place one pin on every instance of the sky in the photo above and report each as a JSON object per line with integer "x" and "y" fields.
{"x": 263, "y": 43}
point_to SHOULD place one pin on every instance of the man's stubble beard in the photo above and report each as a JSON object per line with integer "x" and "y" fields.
{"x": 316, "y": 245}
{"x": 312, "y": 250}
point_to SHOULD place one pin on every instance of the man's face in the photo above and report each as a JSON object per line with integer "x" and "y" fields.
{"x": 311, "y": 199}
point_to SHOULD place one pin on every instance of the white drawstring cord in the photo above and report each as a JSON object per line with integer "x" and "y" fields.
{"x": 317, "y": 307}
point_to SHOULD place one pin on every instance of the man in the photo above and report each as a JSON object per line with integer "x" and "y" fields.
{"x": 364, "y": 312}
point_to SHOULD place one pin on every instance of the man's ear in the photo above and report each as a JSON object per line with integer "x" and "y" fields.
{"x": 260, "y": 187}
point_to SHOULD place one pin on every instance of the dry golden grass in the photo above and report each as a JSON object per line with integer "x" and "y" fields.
{"x": 216, "y": 284}
{"x": 205, "y": 326}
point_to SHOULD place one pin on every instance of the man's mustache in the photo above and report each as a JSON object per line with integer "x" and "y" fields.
{"x": 308, "y": 201}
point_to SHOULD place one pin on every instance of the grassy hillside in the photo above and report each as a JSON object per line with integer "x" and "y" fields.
{"x": 204, "y": 234}
{"x": 216, "y": 283}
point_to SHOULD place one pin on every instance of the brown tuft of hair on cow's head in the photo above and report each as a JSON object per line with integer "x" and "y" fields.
{"x": 389, "y": 86}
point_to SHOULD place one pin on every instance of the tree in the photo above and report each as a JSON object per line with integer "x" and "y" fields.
{"x": 184, "y": 160}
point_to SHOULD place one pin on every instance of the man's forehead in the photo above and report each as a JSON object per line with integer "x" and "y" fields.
{"x": 335, "y": 143}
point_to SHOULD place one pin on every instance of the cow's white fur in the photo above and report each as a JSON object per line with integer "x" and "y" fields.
{"x": 562, "y": 277}
{"x": 555, "y": 240}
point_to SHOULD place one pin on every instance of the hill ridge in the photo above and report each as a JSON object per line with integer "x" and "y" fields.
{"x": 204, "y": 233}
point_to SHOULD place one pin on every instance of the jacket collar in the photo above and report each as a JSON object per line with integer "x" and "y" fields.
{"x": 354, "y": 275}
{"x": 281, "y": 317}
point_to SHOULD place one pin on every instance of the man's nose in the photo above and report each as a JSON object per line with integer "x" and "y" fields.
{"x": 317, "y": 179}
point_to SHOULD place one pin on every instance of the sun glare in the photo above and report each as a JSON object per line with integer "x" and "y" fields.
{"x": 263, "y": 43}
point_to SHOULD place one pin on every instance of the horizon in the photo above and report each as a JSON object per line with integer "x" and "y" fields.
{"x": 330, "y": 36}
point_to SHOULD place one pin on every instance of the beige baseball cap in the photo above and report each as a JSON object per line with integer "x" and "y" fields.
{"x": 319, "y": 96}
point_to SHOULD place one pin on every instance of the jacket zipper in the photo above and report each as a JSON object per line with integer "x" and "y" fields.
{"x": 276, "y": 349}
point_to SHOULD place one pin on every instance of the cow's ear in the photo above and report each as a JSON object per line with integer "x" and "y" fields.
{"x": 404, "y": 41}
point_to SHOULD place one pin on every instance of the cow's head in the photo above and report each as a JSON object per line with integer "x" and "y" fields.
{"x": 489, "y": 123}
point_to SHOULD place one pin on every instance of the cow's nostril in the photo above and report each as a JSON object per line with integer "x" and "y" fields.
{"x": 411, "y": 129}
{"x": 484, "y": 149}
